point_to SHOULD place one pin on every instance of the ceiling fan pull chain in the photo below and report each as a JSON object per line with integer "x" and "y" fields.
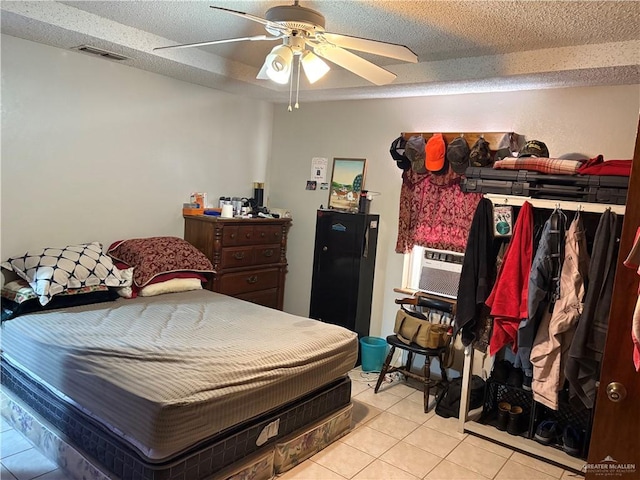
{"x": 290, "y": 91}
{"x": 298, "y": 82}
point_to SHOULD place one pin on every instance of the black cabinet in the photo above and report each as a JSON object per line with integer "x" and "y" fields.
{"x": 343, "y": 267}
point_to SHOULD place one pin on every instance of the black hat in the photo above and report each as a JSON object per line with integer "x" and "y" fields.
{"x": 458, "y": 155}
{"x": 397, "y": 153}
{"x": 480, "y": 155}
{"x": 534, "y": 148}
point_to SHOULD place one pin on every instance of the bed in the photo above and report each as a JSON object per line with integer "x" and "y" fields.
{"x": 176, "y": 385}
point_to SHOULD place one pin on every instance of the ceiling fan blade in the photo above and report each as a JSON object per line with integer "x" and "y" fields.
{"x": 248, "y": 16}
{"x": 385, "y": 49}
{"x": 364, "y": 68}
{"x": 216, "y": 42}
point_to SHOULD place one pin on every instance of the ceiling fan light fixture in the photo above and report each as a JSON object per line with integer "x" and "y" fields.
{"x": 314, "y": 67}
{"x": 278, "y": 64}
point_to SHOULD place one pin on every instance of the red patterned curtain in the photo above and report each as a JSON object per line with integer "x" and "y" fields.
{"x": 434, "y": 212}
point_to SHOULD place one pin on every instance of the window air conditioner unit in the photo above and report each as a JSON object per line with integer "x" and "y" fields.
{"x": 440, "y": 272}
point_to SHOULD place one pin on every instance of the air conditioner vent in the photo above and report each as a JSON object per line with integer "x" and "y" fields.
{"x": 440, "y": 272}
{"x": 100, "y": 52}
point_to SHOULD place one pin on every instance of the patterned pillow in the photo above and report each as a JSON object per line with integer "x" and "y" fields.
{"x": 18, "y": 291}
{"x": 155, "y": 256}
{"x": 51, "y": 271}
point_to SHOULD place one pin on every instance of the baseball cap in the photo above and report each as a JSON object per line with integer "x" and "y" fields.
{"x": 509, "y": 145}
{"x": 480, "y": 155}
{"x": 415, "y": 152}
{"x": 458, "y": 155}
{"x": 435, "y": 153}
{"x": 534, "y": 148}
{"x": 397, "y": 153}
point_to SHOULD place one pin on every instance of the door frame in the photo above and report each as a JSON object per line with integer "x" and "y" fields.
{"x": 614, "y": 450}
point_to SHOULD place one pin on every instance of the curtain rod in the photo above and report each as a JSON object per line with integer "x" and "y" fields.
{"x": 515, "y": 200}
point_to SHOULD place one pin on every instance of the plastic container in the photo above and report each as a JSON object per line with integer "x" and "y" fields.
{"x": 192, "y": 211}
{"x": 373, "y": 351}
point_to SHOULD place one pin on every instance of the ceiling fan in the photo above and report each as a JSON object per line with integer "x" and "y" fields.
{"x": 304, "y": 38}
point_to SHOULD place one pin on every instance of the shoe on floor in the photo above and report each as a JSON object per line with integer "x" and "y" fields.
{"x": 547, "y": 432}
{"x": 503, "y": 415}
{"x": 571, "y": 441}
{"x": 526, "y": 383}
{"x": 514, "y": 426}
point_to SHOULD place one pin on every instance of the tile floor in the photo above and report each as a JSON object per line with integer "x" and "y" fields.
{"x": 392, "y": 439}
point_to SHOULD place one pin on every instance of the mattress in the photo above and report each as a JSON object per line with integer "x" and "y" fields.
{"x": 86, "y": 450}
{"x": 167, "y": 373}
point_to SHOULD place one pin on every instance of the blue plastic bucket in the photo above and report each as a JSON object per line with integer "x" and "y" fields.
{"x": 373, "y": 351}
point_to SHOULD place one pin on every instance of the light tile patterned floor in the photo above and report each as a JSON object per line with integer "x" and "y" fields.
{"x": 392, "y": 439}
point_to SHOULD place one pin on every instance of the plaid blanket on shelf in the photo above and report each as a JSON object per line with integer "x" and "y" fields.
{"x": 544, "y": 165}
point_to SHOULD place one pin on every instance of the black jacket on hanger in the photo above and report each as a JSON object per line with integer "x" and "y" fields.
{"x": 478, "y": 272}
{"x": 583, "y": 365}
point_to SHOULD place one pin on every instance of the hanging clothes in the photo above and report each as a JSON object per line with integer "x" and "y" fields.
{"x": 434, "y": 212}
{"x": 555, "y": 333}
{"x": 542, "y": 286}
{"x": 508, "y": 299}
{"x": 478, "y": 273}
{"x": 633, "y": 261}
{"x": 583, "y": 365}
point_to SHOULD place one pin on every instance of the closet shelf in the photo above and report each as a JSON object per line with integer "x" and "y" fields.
{"x": 515, "y": 200}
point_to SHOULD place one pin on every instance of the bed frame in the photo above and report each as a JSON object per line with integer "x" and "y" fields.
{"x": 109, "y": 454}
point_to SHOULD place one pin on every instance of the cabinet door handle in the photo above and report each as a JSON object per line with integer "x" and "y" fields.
{"x": 268, "y": 253}
{"x": 238, "y": 255}
{"x": 252, "y": 279}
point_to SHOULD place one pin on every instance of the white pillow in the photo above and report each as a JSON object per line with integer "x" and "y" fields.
{"x": 54, "y": 270}
{"x": 171, "y": 286}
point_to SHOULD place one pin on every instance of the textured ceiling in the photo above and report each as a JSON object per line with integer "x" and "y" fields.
{"x": 462, "y": 46}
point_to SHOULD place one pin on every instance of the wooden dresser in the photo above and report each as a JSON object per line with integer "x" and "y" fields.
{"x": 248, "y": 255}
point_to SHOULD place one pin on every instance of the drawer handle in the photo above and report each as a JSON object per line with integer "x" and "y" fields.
{"x": 262, "y": 234}
{"x": 268, "y": 253}
{"x": 252, "y": 279}
{"x": 238, "y": 255}
{"x": 233, "y": 235}
{"x": 248, "y": 235}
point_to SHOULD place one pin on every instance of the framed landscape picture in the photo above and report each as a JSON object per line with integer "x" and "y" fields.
{"x": 347, "y": 180}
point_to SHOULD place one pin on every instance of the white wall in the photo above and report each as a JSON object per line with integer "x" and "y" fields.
{"x": 599, "y": 120}
{"x": 93, "y": 150}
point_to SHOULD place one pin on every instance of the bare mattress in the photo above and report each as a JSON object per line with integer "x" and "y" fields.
{"x": 164, "y": 373}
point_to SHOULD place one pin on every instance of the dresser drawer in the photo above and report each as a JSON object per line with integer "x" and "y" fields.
{"x": 237, "y": 235}
{"x": 266, "y": 254}
{"x": 237, "y": 257}
{"x": 251, "y": 281}
{"x": 267, "y": 234}
{"x": 268, "y": 298}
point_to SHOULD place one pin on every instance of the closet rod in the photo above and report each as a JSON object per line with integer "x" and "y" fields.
{"x": 516, "y": 200}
